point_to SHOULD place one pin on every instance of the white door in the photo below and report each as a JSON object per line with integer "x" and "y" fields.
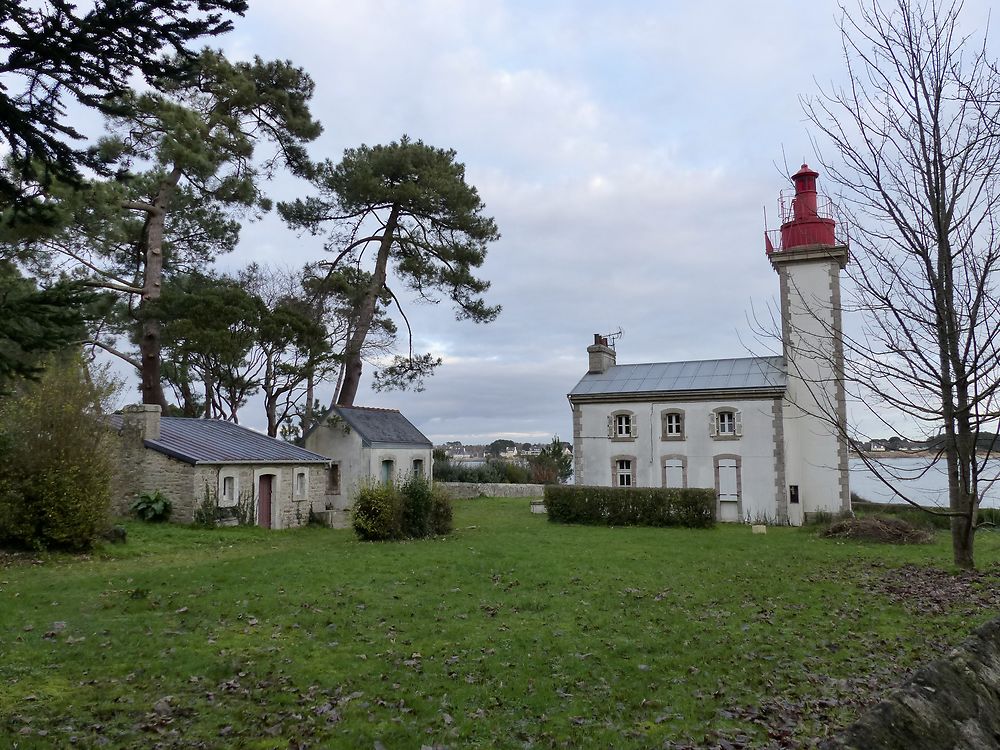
{"x": 729, "y": 498}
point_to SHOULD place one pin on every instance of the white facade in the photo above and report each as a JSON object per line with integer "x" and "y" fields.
{"x": 350, "y": 438}
{"x": 766, "y": 433}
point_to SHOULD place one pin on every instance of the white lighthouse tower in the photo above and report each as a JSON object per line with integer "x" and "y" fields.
{"x": 808, "y": 259}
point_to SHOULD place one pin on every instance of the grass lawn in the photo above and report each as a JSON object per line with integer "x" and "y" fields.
{"x": 512, "y": 632}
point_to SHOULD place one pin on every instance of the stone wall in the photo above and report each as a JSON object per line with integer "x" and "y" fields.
{"x": 462, "y": 490}
{"x": 950, "y": 704}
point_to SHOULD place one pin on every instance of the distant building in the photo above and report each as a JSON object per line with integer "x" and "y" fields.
{"x": 367, "y": 445}
{"x": 759, "y": 430}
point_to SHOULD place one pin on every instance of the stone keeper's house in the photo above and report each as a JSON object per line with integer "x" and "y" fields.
{"x": 185, "y": 458}
{"x": 765, "y": 432}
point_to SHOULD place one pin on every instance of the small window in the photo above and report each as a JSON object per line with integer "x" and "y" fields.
{"x": 387, "y": 471}
{"x": 300, "y": 484}
{"x": 673, "y": 425}
{"x": 333, "y": 480}
{"x": 228, "y": 491}
{"x": 725, "y": 424}
{"x": 418, "y": 467}
{"x": 622, "y": 426}
{"x": 623, "y": 472}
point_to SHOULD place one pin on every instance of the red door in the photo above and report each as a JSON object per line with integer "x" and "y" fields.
{"x": 264, "y": 501}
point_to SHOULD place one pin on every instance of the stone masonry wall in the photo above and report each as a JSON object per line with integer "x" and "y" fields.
{"x": 461, "y": 490}
{"x": 950, "y": 704}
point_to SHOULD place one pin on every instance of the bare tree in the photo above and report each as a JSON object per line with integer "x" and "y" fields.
{"x": 915, "y": 153}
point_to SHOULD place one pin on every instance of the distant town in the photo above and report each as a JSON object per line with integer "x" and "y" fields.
{"x": 500, "y": 448}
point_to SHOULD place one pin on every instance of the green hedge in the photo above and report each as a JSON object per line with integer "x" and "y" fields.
{"x": 631, "y": 506}
{"x": 412, "y": 510}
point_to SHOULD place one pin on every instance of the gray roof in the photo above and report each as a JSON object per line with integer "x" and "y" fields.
{"x": 379, "y": 425}
{"x": 748, "y": 373}
{"x": 212, "y": 441}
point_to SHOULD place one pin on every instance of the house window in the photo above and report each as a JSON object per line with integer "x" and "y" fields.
{"x": 673, "y": 425}
{"x": 622, "y": 426}
{"x": 623, "y": 472}
{"x": 333, "y": 480}
{"x": 228, "y": 491}
{"x": 300, "y": 484}
{"x": 418, "y": 467}
{"x": 725, "y": 424}
{"x": 728, "y": 488}
{"x": 387, "y": 470}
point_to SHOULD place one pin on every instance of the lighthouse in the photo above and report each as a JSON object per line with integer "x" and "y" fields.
{"x": 808, "y": 258}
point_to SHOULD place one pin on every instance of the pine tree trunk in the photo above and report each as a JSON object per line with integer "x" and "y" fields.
{"x": 150, "y": 339}
{"x": 366, "y": 314}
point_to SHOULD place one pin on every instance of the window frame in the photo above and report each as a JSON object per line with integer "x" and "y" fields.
{"x": 617, "y": 473}
{"x": 333, "y": 473}
{"x": 715, "y": 423}
{"x": 684, "y": 468}
{"x": 665, "y": 433}
{"x": 616, "y": 419}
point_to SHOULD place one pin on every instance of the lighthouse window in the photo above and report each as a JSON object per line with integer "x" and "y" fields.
{"x": 725, "y": 424}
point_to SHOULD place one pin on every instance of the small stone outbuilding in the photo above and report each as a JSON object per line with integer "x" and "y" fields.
{"x": 365, "y": 444}
{"x": 276, "y": 482}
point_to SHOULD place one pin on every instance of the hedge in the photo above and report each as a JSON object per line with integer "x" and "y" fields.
{"x": 631, "y": 506}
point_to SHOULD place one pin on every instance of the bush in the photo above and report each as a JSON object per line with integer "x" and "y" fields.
{"x": 378, "y": 513}
{"x": 441, "y": 519}
{"x": 414, "y": 510}
{"x": 56, "y": 458}
{"x": 631, "y": 506}
{"x": 152, "y": 507}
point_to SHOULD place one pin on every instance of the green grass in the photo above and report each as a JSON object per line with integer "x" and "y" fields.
{"x": 511, "y": 632}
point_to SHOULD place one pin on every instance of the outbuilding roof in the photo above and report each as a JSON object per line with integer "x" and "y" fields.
{"x": 212, "y": 441}
{"x": 700, "y": 376}
{"x": 379, "y": 426}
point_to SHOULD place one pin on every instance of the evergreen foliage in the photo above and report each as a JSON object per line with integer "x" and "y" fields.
{"x": 413, "y": 510}
{"x": 631, "y": 506}
{"x": 411, "y": 202}
{"x": 56, "y": 458}
{"x": 54, "y": 50}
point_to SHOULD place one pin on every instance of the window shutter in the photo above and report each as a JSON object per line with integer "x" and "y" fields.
{"x": 738, "y": 417}
{"x": 611, "y": 426}
{"x": 712, "y": 424}
{"x": 633, "y": 430}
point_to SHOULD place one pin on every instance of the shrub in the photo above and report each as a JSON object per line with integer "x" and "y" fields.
{"x": 56, "y": 458}
{"x": 441, "y": 518}
{"x": 631, "y": 506}
{"x": 153, "y": 507}
{"x": 378, "y": 513}
{"x": 416, "y": 512}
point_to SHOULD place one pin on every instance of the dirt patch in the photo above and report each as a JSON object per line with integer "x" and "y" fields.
{"x": 921, "y": 589}
{"x": 875, "y": 529}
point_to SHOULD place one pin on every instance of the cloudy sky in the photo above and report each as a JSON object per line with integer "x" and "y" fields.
{"x": 627, "y": 151}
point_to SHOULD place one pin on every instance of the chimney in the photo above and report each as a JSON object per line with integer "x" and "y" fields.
{"x": 142, "y": 420}
{"x": 602, "y": 356}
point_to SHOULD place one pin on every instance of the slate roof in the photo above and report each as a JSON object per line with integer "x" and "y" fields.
{"x": 747, "y": 373}
{"x": 212, "y": 441}
{"x": 382, "y": 426}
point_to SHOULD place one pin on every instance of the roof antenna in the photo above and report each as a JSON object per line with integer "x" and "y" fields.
{"x": 613, "y": 337}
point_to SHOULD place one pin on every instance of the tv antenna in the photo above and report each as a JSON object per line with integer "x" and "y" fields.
{"x": 613, "y": 337}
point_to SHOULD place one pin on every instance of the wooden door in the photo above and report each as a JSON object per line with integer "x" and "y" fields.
{"x": 264, "y": 485}
{"x": 729, "y": 497}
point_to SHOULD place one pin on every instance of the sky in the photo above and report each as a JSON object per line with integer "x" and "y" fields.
{"x": 628, "y": 152}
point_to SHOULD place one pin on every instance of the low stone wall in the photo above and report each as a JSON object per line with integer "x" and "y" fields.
{"x": 950, "y": 704}
{"x": 463, "y": 490}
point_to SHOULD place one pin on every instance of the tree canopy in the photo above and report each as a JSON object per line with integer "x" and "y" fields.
{"x": 52, "y": 51}
{"x": 408, "y": 205}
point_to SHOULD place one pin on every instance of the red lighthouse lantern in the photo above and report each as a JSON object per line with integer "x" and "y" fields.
{"x": 807, "y": 222}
